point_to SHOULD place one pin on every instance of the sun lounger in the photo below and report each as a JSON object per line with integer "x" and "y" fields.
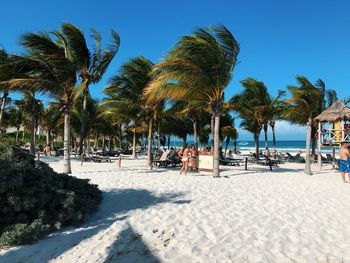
{"x": 162, "y": 161}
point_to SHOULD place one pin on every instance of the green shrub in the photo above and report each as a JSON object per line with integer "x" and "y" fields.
{"x": 35, "y": 200}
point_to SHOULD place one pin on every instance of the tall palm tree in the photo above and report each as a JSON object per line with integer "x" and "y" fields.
{"x": 125, "y": 95}
{"x": 49, "y": 67}
{"x": 275, "y": 112}
{"x": 303, "y": 107}
{"x": 16, "y": 117}
{"x": 252, "y": 104}
{"x": 91, "y": 64}
{"x": 229, "y": 132}
{"x": 202, "y": 63}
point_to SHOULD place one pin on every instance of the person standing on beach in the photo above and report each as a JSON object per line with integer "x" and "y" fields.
{"x": 344, "y": 161}
{"x": 184, "y": 158}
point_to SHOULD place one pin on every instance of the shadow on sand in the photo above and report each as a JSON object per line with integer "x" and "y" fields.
{"x": 114, "y": 207}
{"x": 129, "y": 247}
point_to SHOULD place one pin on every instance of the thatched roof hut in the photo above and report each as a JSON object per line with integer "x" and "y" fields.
{"x": 338, "y": 111}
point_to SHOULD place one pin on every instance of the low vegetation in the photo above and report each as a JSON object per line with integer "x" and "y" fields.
{"x": 35, "y": 200}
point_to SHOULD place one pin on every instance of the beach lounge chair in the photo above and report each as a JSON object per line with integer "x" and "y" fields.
{"x": 162, "y": 161}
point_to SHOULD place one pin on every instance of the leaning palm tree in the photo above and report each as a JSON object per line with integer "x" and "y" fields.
{"x": 91, "y": 64}
{"x": 229, "y": 132}
{"x": 202, "y": 63}
{"x": 125, "y": 96}
{"x": 303, "y": 108}
{"x": 253, "y": 104}
{"x": 48, "y": 67}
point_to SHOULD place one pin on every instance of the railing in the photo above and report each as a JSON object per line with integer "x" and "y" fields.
{"x": 335, "y": 136}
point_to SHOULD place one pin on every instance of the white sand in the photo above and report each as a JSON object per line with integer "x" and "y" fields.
{"x": 159, "y": 216}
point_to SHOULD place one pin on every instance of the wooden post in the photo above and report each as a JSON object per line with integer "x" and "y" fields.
{"x": 120, "y": 161}
{"x": 319, "y": 156}
{"x": 333, "y": 162}
{"x": 246, "y": 164}
{"x": 270, "y": 164}
{"x": 81, "y": 159}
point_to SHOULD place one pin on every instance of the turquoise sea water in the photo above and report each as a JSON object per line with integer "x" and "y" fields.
{"x": 282, "y": 146}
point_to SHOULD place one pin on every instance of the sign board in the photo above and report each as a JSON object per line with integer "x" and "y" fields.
{"x": 205, "y": 163}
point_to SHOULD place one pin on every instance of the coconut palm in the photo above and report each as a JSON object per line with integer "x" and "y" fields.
{"x": 303, "y": 107}
{"x": 16, "y": 117}
{"x": 91, "y": 64}
{"x": 202, "y": 63}
{"x": 125, "y": 95}
{"x": 253, "y": 104}
{"x": 229, "y": 132}
{"x": 48, "y": 67}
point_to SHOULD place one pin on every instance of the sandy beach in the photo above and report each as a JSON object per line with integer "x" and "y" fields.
{"x": 159, "y": 216}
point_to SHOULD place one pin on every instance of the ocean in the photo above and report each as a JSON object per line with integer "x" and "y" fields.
{"x": 282, "y": 146}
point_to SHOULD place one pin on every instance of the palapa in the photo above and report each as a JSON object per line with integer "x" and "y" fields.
{"x": 338, "y": 111}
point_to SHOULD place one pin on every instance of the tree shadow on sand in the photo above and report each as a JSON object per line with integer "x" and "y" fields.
{"x": 129, "y": 247}
{"x": 114, "y": 207}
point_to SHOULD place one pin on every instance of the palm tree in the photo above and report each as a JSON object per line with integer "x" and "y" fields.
{"x": 303, "y": 107}
{"x": 91, "y": 64}
{"x": 229, "y": 132}
{"x": 16, "y": 117}
{"x": 125, "y": 91}
{"x": 202, "y": 63}
{"x": 49, "y": 67}
{"x": 253, "y": 104}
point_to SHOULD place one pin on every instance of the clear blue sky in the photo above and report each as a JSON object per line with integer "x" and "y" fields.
{"x": 279, "y": 39}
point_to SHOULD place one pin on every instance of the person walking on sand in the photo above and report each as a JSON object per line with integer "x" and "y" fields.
{"x": 344, "y": 161}
{"x": 184, "y": 158}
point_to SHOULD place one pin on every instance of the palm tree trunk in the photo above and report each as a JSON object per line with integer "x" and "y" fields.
{"x": 66, "y": 143}
{"x": 32, "y": 129}
{"x": 195, "y": 143}
{"x": 3, "y": 103}
{"x": 17, "y": 134}
{"x": 266, "y": 139}
{"x": 212, "y": 127}
{"x": 48, "y": 137}
{"x": 216, "y": 145}
{"x": 273, "y": 136}
{"x": 256, "y": 140}
{"x": 235, "y": 145}
{"x": 158, "y": 140}
{"x": 149, "y": 149}
{"x": 168, "y": 141}
{"x": 83, "y": 124}
{"x": 96, "y": 141}
{"x": 307, "y": 169}
{"x": 134, "y": 143}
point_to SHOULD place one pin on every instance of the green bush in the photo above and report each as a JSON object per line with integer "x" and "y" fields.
{"x": 35, "y": 200}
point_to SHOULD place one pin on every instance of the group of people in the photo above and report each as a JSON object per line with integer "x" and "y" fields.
{"x": 188, "y": 156}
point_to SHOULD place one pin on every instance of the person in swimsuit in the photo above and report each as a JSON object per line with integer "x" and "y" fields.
{"x": 344, "y": 161}
{"x": 184, "y": 158}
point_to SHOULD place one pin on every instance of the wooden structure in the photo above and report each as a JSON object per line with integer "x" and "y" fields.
{"x": 336, "y": 119}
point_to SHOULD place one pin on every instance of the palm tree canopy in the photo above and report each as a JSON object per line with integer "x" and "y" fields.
{"x": 201, "y": 63}
{"x": 305, "y": 102}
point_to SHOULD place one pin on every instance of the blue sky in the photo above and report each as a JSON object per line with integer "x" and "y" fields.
{"x": 279, "y": 39}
